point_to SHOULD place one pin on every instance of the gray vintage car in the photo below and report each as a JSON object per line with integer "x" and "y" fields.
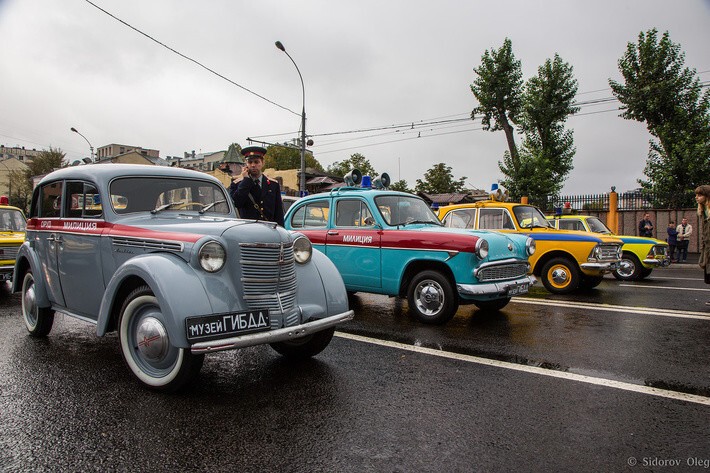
{"x": 157, "y": 254}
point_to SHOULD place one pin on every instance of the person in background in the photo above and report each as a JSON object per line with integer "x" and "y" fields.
{"x": 646, "y": 226}
{"x": 672, "y": 239}
{"x": 256, "y": 196}
{"x": 702, "y": 197}
{"x": 684, "y": 231}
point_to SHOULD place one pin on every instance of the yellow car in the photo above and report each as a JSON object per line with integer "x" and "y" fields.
{"x": 12, "y": 235}
{"x": 640, "y": 256}
{"x": 564, "y": 260}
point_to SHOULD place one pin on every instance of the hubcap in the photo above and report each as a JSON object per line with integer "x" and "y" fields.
{"x": 559, "y": 276}
{"x": 626, "y": 268}
{"x": 152, "y": 339}
{"x": 29, "y": 304}
{"x": 429, "y": 297}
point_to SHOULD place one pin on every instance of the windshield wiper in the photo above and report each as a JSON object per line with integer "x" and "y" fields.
{"x": 206, "y": 208}
{"x": 410, "y": 222}
{"x": 165, "y": 206}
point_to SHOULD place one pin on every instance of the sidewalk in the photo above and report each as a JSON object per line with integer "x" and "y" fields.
{"x": 690, "y": 263}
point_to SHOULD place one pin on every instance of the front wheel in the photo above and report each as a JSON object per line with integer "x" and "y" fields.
{"x": 39, "y": 320}
{"x": 146, "y": 346}
{"x": 560, "y": 275}
{"x": 432, "y": 298}
{"x": 494, "y": 305}
{"x": 629, "y": 268}
{"x": 305, "y": 347}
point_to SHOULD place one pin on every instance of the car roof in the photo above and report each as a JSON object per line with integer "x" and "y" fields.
{"x": 106, "y": 172}
{"x": 364, "y": 191}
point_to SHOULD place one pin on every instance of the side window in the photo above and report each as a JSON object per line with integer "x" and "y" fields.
{"x": 352, "y": 213}
{"x": 463, "y": 218}
{"x": 50, "y": 199}
{"x": 570, "y": 224}
{"x": 495, "y": 219}
{"x": 311, "y": 215}
{"x": 82, "y": 200}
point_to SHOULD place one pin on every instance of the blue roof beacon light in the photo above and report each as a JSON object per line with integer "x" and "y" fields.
{"x": 366, "y": 182}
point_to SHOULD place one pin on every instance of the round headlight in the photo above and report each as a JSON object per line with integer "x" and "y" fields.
{"x": 212, "y": 256}
{"x": 530, "y": 246}
{"x": 481, "y": 248}
{"x": 619, "y": 251}
{"x": 302, "y": 249}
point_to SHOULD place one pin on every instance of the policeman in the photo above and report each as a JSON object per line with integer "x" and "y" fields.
{"x": 256, "y": 196}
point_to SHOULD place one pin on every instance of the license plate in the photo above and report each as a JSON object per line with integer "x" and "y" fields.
{"x": 519, "y": 289}
{"x": 211, "y": 327}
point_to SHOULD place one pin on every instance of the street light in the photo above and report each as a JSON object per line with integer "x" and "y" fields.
{"x": 90, "y": 147}
{"x": 302, "y": 187}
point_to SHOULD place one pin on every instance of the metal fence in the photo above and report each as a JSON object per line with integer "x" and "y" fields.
{"x": 596, "y": 202}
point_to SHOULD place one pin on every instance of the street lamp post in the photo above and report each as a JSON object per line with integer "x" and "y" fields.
{"x": 302, "y": 187}
{"x": 90, "y": 147}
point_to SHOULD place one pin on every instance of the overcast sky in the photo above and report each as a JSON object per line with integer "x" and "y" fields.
{"x": 367, "y": 65}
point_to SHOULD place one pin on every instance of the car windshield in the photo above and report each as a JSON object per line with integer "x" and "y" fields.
{"x": 404, "y": 210}
{"x": 597, "y": 226}
{"x": 530, "y": 217}
{"x": 11, "y": 221}
{"x": 147, "y": 194}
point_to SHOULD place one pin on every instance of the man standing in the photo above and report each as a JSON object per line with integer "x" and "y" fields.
{"x": 256, "y": 196}
{"x": 646, "y": 226}
{"x": 684, "y": 231}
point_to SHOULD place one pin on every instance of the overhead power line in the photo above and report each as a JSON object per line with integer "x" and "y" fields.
{"x": 189, "y": 58}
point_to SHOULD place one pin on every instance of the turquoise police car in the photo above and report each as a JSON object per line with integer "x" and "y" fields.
{"x": 389, "y": 242}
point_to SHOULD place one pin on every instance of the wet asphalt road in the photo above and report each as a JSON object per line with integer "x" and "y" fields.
{"x": 67, "y": 403}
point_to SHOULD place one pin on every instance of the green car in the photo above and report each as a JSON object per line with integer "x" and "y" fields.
{"x": 640, "y": 256}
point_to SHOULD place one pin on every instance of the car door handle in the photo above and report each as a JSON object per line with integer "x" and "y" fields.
{"x": 55, "y": 238}
{"x": 333, "y": 232}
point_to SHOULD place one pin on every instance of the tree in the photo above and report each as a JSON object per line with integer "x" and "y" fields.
{"x": 45, "y": 162}
{"x": 538, "y": 109}
{"x": 548, "y": 149}
{"x": 660, "y": 91}
{"x": 439, "y": 180}
{"x": 498, "y": 89}
{"x": 356, "y": 161}
{"x": 282, "y": 157}
{"x": 401, "y": 186}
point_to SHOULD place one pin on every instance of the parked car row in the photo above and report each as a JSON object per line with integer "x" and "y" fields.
{"x": 160, "y": 256}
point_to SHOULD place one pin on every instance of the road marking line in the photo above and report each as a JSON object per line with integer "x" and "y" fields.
{"x": 645, "y": 286}
{"x": 683, "y": 314}
{"x": 694, "y": 398}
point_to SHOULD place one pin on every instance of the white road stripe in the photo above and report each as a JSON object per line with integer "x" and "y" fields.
{"x": 533, "y": 370}
{"x": 683, "y": 314}
{"x": 644, "y": 286}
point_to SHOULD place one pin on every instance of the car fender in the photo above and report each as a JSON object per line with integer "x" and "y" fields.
{"x": 27, "y": 257}
{"x": 332, "y": 297}
{"x": 176, "y": 285}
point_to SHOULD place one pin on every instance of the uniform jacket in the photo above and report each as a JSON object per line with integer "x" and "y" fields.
{"x": 267, "y": 198}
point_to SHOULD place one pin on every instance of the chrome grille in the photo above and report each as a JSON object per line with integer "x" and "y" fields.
{"x": 147, "y": 244}
{"x": 269, "y": 276}
{"x": 502, "y": 271}
{"x": 609, "y": 252}
{"x": 9, "y": 252}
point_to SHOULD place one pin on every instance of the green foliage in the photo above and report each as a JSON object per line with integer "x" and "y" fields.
{"x": 660, "y": 91}
{"x": 356, "y": 161}
{"x": 286, "y": 157}
{"x": 401, "y": 186}
{"x": 45, "y": 162}
{"x": 498, "y": 89}
{"x": 439, "y": 180}
{"x": 539, "y": 109}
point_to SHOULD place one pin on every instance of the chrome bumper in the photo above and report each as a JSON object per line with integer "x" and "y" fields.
{"x": 271, "y": 336}
{"x": 657, "y": 262}
{"x": 603, "y": 267}
{"x": 500, "y": 288}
